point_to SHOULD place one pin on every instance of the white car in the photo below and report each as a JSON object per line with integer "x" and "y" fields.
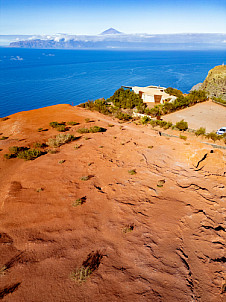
{"x": 221, "y": 131}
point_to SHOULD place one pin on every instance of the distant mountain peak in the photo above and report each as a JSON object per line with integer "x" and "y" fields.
{"x": 110, "y": 31}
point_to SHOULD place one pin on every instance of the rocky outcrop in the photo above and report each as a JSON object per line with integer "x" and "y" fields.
{"x": 215, "y": 82}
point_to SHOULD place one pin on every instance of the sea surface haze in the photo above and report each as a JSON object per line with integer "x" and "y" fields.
{"x": 34, "y": 78}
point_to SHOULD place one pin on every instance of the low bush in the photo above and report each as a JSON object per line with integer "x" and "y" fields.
{"x": 81, "y": 274}
{"x": 219, "y": 100}
{"x": 79, "y": 201}
{"x": 167, "y": 125}
{"x": 61, "y": 128}
{"x": 3, "y": 138}
{"x": 182, "y": 125}
{"x": 9, "y": 155}
{"x": 60, "y": 139}
{"x": 126, "y": 99}
{"x": 72, "y": 123}
{"x": 144, "y": 120}
{"x": 183, "y": 137}
{"x": 96, "y": 129}
{"x": 173, "y": 91}
{"x": 93, "y": 129}
{"x": 29, "y": 154}
{"x": 200, "y": 131}
{"x": 123, "y": 116}
{"x": 56, "y": 124}
{"x": 15, "y": 149}
{"x": 83, "y": 130}
{"x": 213, "y": 136}
{"x": 132, "y": 172}
{"x": 129, "y": 228}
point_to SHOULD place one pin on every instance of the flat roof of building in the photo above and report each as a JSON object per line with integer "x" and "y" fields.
{"x": 152, "y": 90}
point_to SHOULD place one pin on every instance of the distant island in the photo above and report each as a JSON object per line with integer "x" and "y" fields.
{"x": 114, "y": 39}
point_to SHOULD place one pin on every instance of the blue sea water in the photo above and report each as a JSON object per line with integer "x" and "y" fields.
{"x": 34, "y": 78}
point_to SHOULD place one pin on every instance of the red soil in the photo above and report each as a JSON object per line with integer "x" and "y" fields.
{"x": 156, "y": 242}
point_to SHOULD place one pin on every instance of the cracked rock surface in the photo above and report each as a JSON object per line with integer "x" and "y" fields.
{"x": 154, "y": 234}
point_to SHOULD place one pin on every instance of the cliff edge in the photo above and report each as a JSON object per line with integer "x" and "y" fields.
{"x": 215, "y": 82}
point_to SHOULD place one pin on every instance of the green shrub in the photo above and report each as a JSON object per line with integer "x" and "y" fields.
{"x": 213, "y": 136}
{"x": 219, "y": 100}
{"x": 83, "y": 130}
{"x": 15, "y": 149}
{"x": 182, "y": 125}
{"x": 60, "y": 139}
{"x": 132, "y": 172}
{"x": 77, "y": 146}
{"x": 167, "y": 125}
{"x": 61, "y": 128}
{"x": 9, "y": 155}
{"x": 81, "y": 274}
{"x": 84, "y": 178}
{"x": 173, "y": 91}
{"x": 129, "y": 228}
{"x": 56, "y": 124}
{"x": 144, "y": 120}
{"x": 72, "y": 123}
{"x": 79, "y": 201}
{"x": 123, "y": 116}
{"x": 61, "y": 161}
{"x": 200, "y": 131}
{"x": 183, "y": 137}
{"x": 96, "y": 129}
{"x": 126, "y": 99}
{"x": 29, "y": 154}
{"x": 93, "y": 129}
{"x": 3, "y": 138}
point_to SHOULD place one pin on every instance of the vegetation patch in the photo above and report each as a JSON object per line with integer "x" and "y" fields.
{"x": 77, "y": 146}
{"x": 214, "y": 136}
{"x": 85, "y": 178}
{"x": 129, "y": 228}
{"x": 62, "y": 161}
{"x": 183, "y": 137}
{"x": 182, "y": 125}
{"x": 60, "y": 140}
{"x": 93, "y": 129}
{"x": 132, "y": 172}
{"x": 88, "y": 267}
{"x": 3, "y": 138}
{"x": 72, "y": 123}
{"x": 79, "y": 201}
{"x": 200, "y": 131}
{"x": 23, "y": 153}
{"x": 61, "y": 127}
{"x": 29, "y": 154}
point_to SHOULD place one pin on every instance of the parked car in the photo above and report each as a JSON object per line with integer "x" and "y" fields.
{"x": 221, "y": 131}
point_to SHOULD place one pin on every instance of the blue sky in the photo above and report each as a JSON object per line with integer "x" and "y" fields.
{"x": 129, "y": 16}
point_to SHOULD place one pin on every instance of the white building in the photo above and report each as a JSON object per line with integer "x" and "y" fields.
{"x": 153, "y": 94}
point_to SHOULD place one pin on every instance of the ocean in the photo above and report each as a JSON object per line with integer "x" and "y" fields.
{"x": 35, "y": 78}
